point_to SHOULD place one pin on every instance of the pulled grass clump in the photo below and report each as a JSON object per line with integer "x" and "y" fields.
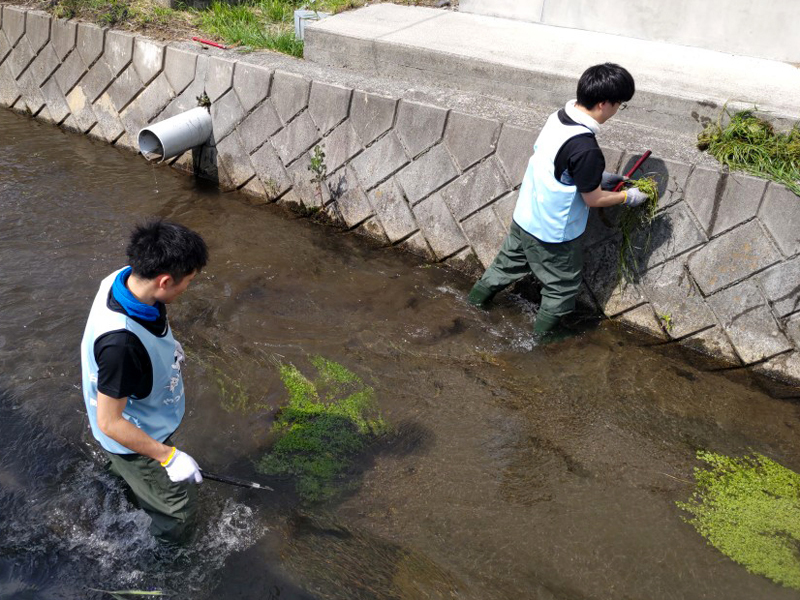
{"x": 749, "y": 509}
{"x": 321, "y": 430}
{"x": 750, "y": 144}
{"x": 633, "y": 220}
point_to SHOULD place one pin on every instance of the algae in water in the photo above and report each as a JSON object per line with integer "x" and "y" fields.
{"x": 325, "y": 425}
{"x": 748, "y": 508}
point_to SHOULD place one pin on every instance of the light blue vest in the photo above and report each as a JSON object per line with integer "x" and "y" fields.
{"x": 548, "y": 209}
{"x": 158, "y": 414}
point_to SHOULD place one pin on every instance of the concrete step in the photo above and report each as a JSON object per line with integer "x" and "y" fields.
{"x": 679, "y": 88}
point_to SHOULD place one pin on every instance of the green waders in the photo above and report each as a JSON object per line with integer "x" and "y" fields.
{"x": 170, "y": 506}
{"x": 557, "y": 266}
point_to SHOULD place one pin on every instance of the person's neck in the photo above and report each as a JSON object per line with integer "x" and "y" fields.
{"x": 595, "y": 112}
{"x": 142, "y": 289}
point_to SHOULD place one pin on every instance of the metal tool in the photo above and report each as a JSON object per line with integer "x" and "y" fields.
{"x": 235, "y": 481}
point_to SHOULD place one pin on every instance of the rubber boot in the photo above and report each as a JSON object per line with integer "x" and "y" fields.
{"x": 545, "y": 323}
{"x": 479, "y": 295}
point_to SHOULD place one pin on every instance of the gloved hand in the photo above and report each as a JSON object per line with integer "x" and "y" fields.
{"x": 182, "y": 467}
{"x": 634, "y": 197}
{"x": 611, "y": 180}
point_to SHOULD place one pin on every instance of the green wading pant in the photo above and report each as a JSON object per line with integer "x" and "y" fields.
{"x": 171, "y": 506}
{"x": 557, "y": 266}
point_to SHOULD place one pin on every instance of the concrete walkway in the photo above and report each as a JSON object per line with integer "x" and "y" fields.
{"x": 678, "y": 87}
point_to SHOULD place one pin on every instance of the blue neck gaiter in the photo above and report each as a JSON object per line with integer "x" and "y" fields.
{"x": 129, "y": 302}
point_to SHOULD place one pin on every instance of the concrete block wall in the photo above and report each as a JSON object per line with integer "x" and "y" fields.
{"x": 718, "y": 275}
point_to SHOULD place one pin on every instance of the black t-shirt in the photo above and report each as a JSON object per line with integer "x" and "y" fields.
{"x": 580, "y": 157}
{"x": 124, "y": 367}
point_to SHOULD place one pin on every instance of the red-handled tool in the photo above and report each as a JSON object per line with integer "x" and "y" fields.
{"x": 208, "y": 42}
{"x": 638, "y": 164}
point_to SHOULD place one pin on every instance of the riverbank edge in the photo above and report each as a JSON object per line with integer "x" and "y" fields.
{"x": 434, "y": 180}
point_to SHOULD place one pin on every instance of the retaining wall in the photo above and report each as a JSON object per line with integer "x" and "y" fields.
{"x": 720, "y": 275}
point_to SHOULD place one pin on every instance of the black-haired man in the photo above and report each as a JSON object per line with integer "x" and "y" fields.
{"x": 565, "y": 177}
{"x": 132, "y": 382}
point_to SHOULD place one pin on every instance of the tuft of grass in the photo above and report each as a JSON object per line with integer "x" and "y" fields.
{"x": 750, "y": 144}
{"x": 325, "y": 424}
{"x": 747, "y": 508}
{"x": 634, "y": 219}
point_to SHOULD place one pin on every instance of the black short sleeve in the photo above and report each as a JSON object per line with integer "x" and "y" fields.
{"x": 124, "y": 367}
{"x": 583, "y": 160}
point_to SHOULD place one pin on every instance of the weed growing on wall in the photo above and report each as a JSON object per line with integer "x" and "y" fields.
{"x": 632, "y": 220}
{"x": 321, "y": 430}
{"x": 749, "y": 509}
{"x": 750, "y": 144}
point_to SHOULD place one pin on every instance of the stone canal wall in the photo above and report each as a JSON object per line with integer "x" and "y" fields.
{"x": 722, "y": 272}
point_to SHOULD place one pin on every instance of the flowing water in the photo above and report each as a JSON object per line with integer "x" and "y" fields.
{"x": 514, "y": 470}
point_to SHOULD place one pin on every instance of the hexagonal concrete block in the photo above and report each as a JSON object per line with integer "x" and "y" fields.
{"x": 20, "y": 58}
{"x": 746, "y": 318}
{"x": 233, "y": 162}
{"x": 70, "y": 72}
{"x": 118, "y": 52}
{"x": 219, "y": 78}
{"x": 296, "y": 138}
{"x": 226, "y": 113}
{"x": 44, "y": 65}
{"x": 392, "y": 211}
{"x": 144, "y": 108}
{"x": 13, "y": 23}
{"x": 31, "y": 93}
{"x": 780, "y": 214}
{"x": 5, "y": 47}
{"x": 379, "y": 161}
{"x": 712, "y": 342}
{"x": 56, "y": 103}
{"x": 125, "y": 88}
{"x": 80, "y": 108}
{"x": 259, "y": 126}
{"x": 644, "y": 319}
{"x": 672, "y": 176}
{"x": 720, "y": 202}
{"x": 108, "y": 127}
{"x": 438, "y": 226}
{"x": 672, "y": 292}
{"x": 733, "y": 256}
{"x": 485, "y": 234}
{"x": 514, "y": 150}
{"x": 504, "y": 208}
{"x": 781, "y": 284}
{"x": 96, "y": 80}
{"x": 148, "y": 58}
{"x": 427, "y": 173}
{"x": 475, "y": 188}
{"x": 37, "y": 29}
{"x": 371, "y": 115}
{"x": 179, "y": 67}
{"x": 9, "y": 90}
{"x": 270, "y": 171}
{"x": 349, "y": 198}
{"x": 251, "y": 84}
{"x": 419, "y": 126}
{"x": 90, "y": 42}
{"x": 470, "y": 138}
{"x": 63, "y": 37}
{"x": 329, "y": 105}
{"x": 671, "y": 232}
{"x": 417, "y": 245}
{"x": 341, "y": 145}
{"x": 306, "y": 186}
{"x": 601, "y": 275}
{"x": 289, "y": 94}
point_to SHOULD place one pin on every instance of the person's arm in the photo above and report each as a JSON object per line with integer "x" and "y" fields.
{"x": 119, "y": 429}
{"x": 600, "y": 198}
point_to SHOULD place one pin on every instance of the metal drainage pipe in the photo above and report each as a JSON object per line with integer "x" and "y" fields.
{"x": 175, "y": 135}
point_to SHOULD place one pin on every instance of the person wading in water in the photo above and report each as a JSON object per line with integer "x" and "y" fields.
{"x": 132, "y": 381}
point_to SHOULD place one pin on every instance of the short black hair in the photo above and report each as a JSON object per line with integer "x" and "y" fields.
{"x": 605, "y": 83}
{"x": 157, "y": 247}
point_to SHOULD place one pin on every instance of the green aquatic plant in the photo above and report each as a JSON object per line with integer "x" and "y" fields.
{"x": 633, "y": 220}
{"x": 120, "y": 594}
{"x": 751, "y": 144}
{"x": 748, "y": 508}
{"x": 323, "y": 427}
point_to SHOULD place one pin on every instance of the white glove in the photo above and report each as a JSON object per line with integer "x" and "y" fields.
{"x": 634, "y": 197}
{"x": 182, "y": 467}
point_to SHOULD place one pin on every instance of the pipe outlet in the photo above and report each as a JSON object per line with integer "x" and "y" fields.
{"x": 175, "y": 135}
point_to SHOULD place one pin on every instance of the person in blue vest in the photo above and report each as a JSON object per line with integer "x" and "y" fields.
{"x": 132, "y": 374}
{"x": 565, "y": 177}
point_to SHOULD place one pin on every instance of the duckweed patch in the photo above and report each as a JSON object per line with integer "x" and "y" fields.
{"x": 747, "y": 508}
{"x": 751, "y": 144}
{"x": 325, "y": 425}
{"x": 633, "y": 220}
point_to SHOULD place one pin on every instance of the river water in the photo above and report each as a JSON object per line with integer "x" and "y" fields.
{"x": 514, "y": 471}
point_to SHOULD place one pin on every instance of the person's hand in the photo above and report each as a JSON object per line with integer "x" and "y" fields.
{"x": 182, "y": 467}
{"x": 634, "y": 197}
{"x": 611, "y": 180}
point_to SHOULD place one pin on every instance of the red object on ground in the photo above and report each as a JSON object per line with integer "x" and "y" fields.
{"x": 208, "y": 42}
{"x": 638, "y": 164}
